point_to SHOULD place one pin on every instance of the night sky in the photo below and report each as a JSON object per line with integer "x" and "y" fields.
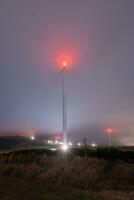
{"x": 99, "y": 36}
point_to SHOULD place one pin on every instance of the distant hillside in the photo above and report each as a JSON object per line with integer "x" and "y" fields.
{"x": 13, "y": 142}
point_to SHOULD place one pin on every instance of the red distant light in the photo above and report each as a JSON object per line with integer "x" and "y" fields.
{"x": 109, "y": 130}
{"x": 57, "y": 137}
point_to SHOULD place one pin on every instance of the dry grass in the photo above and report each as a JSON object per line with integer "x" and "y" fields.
{"x": 114, "y": 195}
{"x": 88, "y": 174}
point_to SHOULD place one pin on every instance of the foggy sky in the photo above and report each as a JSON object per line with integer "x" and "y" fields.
{"x": 99, "y": 34}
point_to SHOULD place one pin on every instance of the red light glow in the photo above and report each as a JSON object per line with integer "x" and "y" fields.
{"x": 109, "y": 130}
{"x": 57, "y": 137}
{"x": 64, "y": 65}
{"x": 64, "y": 61}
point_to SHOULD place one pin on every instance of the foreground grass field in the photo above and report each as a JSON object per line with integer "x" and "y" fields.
{"x": 21, "y": 189}
{"x": 13, "y": 188}
{"x": 40, "y": 174}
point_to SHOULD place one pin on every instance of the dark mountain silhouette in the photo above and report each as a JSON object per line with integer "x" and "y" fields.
{"x": 13, "y": 142}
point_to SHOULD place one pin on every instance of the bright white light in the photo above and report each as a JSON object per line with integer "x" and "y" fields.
{"x": 56, "y": 141}
{"x": 61, "y": 143}
{"x": 70, "y": 144}
{"x": 93, "y": 145}
{"x": 79, "y": 144}
{"x": 65, "y": 147}
{"x": 32, "y": 138}
{"x": 53, "y": 149}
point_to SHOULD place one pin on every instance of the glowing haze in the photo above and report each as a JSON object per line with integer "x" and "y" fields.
{"x": 94, "y": 40}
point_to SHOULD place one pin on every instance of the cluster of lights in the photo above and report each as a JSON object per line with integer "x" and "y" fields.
{"x": 66, "y": 146}
{"x": 53, "y": 142}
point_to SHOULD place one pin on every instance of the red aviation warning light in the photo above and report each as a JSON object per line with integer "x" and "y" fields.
{"x": 109, "y": 130}
{"x": 64, "y": 65}
{"x": 64, "y": 62}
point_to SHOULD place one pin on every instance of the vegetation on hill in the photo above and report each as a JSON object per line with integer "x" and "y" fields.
{"x": 13, "y": 188}
{"x": 107, "y": 153}
{"x": 56, "y": 171}
{"x": 17, "y": 142}
{"x": 99, "y": 173}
